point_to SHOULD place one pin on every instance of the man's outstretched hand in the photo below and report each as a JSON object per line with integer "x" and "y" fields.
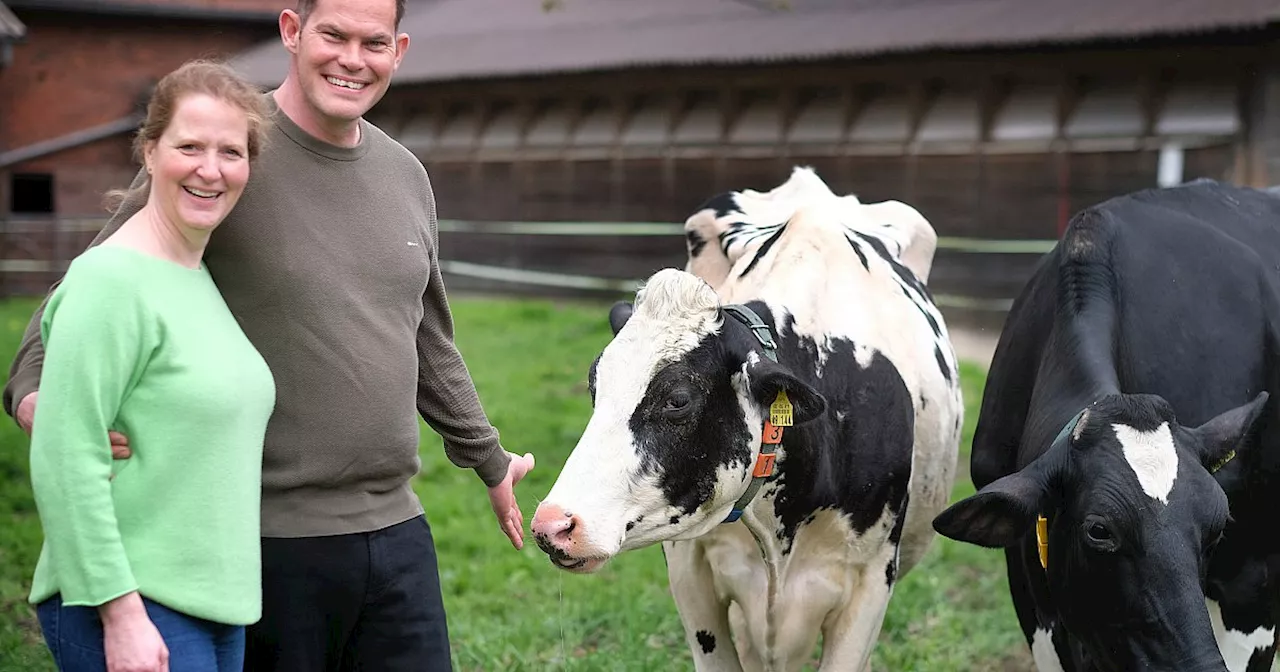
{"x": 502, "y": 497}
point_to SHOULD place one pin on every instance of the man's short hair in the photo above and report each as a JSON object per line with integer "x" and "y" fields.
{"x": 306, "y": 6}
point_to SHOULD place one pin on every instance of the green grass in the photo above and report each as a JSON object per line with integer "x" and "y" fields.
{"x": 511, "y": 610}
{"x": 21, "y": 647}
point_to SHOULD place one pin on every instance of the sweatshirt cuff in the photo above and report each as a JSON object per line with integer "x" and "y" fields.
{"x": 494, "y": 469}
{"x": 26, "y": 382}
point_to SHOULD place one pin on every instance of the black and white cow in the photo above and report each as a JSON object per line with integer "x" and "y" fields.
{"x": 1129, "y": 404}
{"x": 681, "y": 399}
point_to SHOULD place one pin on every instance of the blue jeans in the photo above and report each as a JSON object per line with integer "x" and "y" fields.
{"x": 74, "y": 636}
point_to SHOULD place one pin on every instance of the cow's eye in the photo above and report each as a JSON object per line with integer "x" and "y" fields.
{"x": 1099, "y": 534}
{"x": 678, "y": 402}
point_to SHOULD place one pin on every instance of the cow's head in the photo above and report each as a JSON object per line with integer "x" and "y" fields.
{"x": 680, "y": 397}
{"x": 1133, "y": 512}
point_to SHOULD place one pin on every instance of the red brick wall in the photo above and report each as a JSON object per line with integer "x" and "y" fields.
{"x": 74, "y": 72}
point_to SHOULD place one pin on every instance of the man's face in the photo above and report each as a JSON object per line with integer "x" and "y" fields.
{"x": 345, "y": 53}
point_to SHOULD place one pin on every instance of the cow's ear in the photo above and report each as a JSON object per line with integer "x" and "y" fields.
{"x": 1226, "y": 433}
{"x": 618, "y": 315}
{"x": 768, "y": 378}
{"x": 1001, "y": 513}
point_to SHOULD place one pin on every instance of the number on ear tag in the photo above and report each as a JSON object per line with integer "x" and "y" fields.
{"x": 780, "y": 410}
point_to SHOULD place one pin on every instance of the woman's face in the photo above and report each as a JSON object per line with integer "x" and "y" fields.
{"x": 199, "y": 166}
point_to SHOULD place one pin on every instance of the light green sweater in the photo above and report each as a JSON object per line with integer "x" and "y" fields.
{"x": 147, "y": 347}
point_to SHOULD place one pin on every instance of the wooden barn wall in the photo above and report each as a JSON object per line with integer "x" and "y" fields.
{"x": 998, "y": 196}
{"x": 1001, "y": 196}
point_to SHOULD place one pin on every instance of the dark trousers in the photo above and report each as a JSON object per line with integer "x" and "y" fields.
{"x": 368, "y": 601}
{"x": 75, "y": 638}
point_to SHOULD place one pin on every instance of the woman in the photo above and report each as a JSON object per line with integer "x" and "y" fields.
{"x": 153, "y": 563}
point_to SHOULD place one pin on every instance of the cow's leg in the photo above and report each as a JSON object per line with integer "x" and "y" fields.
{"x": 1240, "y": 610}
{"x": 704, "y": 614}
{"x": 850, "y": 633}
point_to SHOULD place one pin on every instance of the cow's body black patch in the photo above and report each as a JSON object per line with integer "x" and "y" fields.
{"x": 862, "y": 256}
{"x": 761, "y": 251}
{"x": 859, "y": 465}
{"x": 895, "y": 538}
{"x": 696, "y": 243}
{"x": 591, "y": 378}
{"x": 707, "y": 641}
{"x": 915, "y": 291}
{"x": 942, "y": 362}
{"x": 724, "y": 204}
{"x": 903, "y": 273}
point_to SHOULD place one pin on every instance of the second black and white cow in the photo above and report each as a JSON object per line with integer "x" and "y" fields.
{"x": 1127, "y": 450}
{"x": 831, "y": 426}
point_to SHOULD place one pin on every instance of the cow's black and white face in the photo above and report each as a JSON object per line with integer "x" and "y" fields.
{"x": 1133, "y": 515}
{"x": 680, "y": 397}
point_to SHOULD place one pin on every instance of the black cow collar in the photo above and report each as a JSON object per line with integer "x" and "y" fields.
{"x": 780, "y": 412}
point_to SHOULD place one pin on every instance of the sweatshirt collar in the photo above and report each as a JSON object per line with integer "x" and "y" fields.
{"x": 313, "y": 144}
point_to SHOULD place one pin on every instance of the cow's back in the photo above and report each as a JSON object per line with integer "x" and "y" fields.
{"x": 1178, "y": 277}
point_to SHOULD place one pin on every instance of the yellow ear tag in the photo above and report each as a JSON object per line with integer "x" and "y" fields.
{"x": 1042, "y": 540}
{"x": 780, "y": 410}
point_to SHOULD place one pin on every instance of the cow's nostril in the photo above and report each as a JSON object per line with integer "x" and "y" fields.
{"x": 567, "y": 532}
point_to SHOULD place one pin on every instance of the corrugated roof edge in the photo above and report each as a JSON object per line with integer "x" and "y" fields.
{"x": 252, "y": 61}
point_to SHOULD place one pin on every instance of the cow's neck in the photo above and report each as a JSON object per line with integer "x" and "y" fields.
{"x": 1085, "y": 368}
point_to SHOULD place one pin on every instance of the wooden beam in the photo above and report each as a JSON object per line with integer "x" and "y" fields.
{"x": 993, "y": 95}
{"x": 624, "y": 108}
{"x": 1071, "y": 89}
{"x": 789, "y": 106}
{"x": 678, "y": 105}
{"x": 854, "y": 100}
{"x": 921, "y": 95}
{"x": 731, "y": 102}
{"x": 1153, "y": 90}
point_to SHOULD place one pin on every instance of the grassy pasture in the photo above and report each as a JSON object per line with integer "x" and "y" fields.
{"x": 511, "y": 610}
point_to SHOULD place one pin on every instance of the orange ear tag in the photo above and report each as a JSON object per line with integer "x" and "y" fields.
{"x": 772, "y": 434}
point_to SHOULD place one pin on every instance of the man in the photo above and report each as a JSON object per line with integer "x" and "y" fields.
{"x": 330, "y": 263}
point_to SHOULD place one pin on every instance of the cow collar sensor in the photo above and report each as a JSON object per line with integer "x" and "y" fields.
{"x": 780, "y": 412}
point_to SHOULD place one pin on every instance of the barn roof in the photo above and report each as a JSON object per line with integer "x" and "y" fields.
{"x": 158, "y": 9}
{"x": 11, "y": 29}
{"x": 469, "y": 39}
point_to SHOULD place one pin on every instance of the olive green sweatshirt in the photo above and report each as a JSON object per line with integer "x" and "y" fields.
{"x": 330, "y": 262}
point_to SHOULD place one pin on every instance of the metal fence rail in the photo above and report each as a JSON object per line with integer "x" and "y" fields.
{"x": 563, "y": 258}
